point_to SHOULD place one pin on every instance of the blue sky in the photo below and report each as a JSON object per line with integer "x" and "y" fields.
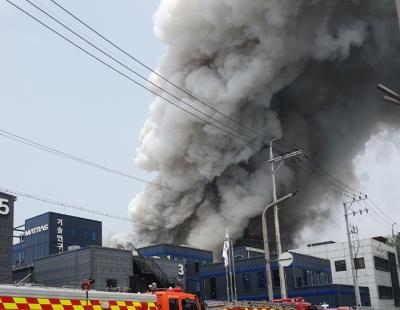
{"x": 54, "y": 94}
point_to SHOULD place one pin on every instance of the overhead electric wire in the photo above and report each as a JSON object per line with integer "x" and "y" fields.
{"x": 314, "y": 174}
{"x": 20, "y": 139}
{"x": 377, "y": 217}
{"x": 17, "y": 138}
{"x": 131, "y": 70}
{"x": 134, "y": 81}
{"x": 136, "y": 73}
{"x": 380, "y": 210}
{"x": 344, "y": 187}
{"x": 372, "y": 208}
{"x": 106, "y": 214}
{"x": 156, "y": 73}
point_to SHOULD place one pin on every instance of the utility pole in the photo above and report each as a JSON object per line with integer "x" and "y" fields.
{"x": 279, "y": 159}
{"x": 268, "y": 276}
{"x": 398, "y": 10}
{"x": 347, "y": 205}
{"x": 394, "y": 237}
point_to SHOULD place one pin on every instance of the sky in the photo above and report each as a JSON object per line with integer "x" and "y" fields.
{"x": 54, "y": 94}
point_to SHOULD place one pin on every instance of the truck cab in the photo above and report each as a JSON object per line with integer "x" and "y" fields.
{"x": 176, "y": 299}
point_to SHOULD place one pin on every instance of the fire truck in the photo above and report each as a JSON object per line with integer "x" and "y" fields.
{"x": 46, "y": 298}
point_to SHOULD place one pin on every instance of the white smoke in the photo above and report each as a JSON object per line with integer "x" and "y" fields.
{"x": 234, "y": 55}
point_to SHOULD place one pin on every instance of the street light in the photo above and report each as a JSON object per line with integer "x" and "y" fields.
{"x": 393, "y": 230}
{"x": 268, "y": 276}
{"x": 389, "y": 95}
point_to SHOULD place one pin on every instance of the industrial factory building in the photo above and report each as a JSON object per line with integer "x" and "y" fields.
{"x": 109, "y": 267}
{"x": 376, "y": 264}
{"x": 189, "y": 261}
{"x": 6, "y": 236}
{"x": 61, "y": 250}
{"x": 52, "y": 233}
{"x": 308, "y": 276}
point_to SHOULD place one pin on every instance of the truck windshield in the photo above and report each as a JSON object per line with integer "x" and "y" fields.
{"x": 173, "y": 304}
{"x": 189, "y": 304}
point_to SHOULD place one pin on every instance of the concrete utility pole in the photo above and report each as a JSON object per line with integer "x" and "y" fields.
{"x": 268, "y": 276}
{"x": 398, "y": 10}
{"x": 280, "y": 159}
{"x": 347, "y": 205}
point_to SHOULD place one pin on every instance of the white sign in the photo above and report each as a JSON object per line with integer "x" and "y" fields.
{"x": 4, "y": 208}
{"x": 285, "y": 259}
{"x": 60, "y": 238}
{"x": 36, "y": 230}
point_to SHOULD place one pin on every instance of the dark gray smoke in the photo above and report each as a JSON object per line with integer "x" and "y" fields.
{"x": 304, "y": 71}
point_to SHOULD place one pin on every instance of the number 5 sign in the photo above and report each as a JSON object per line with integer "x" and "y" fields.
{"x": 4, "y": 208}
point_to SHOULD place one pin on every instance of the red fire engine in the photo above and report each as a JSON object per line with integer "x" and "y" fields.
{"x": 40, "y": 298}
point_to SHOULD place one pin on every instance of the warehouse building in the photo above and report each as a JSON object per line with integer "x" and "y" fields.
{"x": 6, "y": 236}
{"x": 189, "y": 261}
{"x": 309, "y": 277}
{"x": 52, "y": 233}
{"x": 376, "y": 265}
{"x": 109, "y": 267}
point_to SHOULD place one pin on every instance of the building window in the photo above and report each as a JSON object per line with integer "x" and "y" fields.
{"x": 311, "y": 275}
{"x": 72, "y": 233}
{"x": 385, "y": 292}
{"x": 305, "y": 278}
{"x": 261, "y": 279}
{"x": 323, "y": 280}
{"x": 340, "y": 265}
{"x": 85, "y": 234}
{"x": 213, "y": 288}
{"x": 111, "y": 283}
{"x": 381, "y": 264}
{"x": 359, "y": 263}
{"x": 275, "y": 278}
{"x": 318, "y": 278}
{"x": 94, "y": 236}
{"x": 196, "y": 266}
{"x": 246, "y": 281}
{"x": 298, "y": 282}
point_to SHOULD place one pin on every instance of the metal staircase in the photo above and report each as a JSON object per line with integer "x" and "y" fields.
{"x": 148, "y": 265}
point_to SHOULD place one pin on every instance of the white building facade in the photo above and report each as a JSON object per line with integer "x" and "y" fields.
{"x": 376, "y": 267}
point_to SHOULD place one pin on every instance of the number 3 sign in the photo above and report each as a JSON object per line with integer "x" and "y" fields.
{"x": 4, "y": 208}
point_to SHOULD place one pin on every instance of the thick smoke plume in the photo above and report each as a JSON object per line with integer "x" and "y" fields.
{"x": 304, "y": 71}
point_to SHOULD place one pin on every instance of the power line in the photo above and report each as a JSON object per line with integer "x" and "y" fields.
{"x": 377, "y": 217}
{"x": 328, "y": 182}
{"x": 105, "y": 214}
{"x": 239, "y": 132}
{"x": 155, "y": 72}
{"x": 17, "y": 138}
{"x": 343, "y": 186}
{"x": 130, "y": 70}
{"x": 388, "y": 223}
{"x": 20, "y": 139}
{"x": 380, "y": 210}
{"x": 136, "y": 82}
